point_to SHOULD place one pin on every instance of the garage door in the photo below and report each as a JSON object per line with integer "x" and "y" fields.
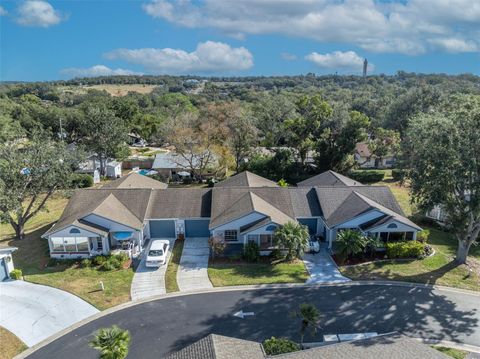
{"x": 3, "y": 270}
{"x": 311, "y": 223}
{"x": 197, "y": 228}
{"x": 162, "y": 229}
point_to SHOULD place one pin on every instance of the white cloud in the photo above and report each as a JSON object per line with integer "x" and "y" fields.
{"x": 338, "y": 60}
{"x": 2, "y": 11}
{"x": 288, "y": 56}
{"x": 456, "y": 45}
{"x": 97, "y": 70}
{"x": 399, "y": 26}
{"x": 208, "y": 57}
{"x": 38, "y": 13}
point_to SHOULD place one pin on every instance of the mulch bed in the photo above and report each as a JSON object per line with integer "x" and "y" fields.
{"x": 358, "y": 260}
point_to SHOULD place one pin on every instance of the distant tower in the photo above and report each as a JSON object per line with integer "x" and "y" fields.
{"x": 365, "y": 65}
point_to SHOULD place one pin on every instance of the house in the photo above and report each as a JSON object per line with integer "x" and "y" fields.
{"x": 243, "y": 208}
{"x": 91, "y": 166}
{"x": 6, "y": 262}
{"x": 392, "y": 346}
{"x": 365, "y": 159}
{"x": 170, "y": 165}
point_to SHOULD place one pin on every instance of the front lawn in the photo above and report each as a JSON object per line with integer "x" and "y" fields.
{"x": 439, "y": 269}
{"x": 235, "y": 272}
{"x": 10, "y": 344}
{"x": 454, "y": 353}
{"x": 32, "y": 257}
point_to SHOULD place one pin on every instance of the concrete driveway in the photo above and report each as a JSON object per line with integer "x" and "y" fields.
{"x": 322, "y": 268}
{"x": 34, "y": 312}
{"x": 148, "y": 282}
{"x": 192, "y": 272}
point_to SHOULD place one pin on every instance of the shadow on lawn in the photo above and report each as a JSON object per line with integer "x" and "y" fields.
{"x": 419, "y": 312}
{"x": 32, "y": 255}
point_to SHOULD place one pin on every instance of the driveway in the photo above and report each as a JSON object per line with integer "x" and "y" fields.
{"x": 322, "y": 268}
{"x": 148, "y": 282}
{"x": 192, "y": 272}
{"x": 162, "y": 326}
{"x": 34, "y": 312}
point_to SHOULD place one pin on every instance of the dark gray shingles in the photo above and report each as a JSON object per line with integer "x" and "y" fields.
{"x": 180, "y": 203}
{"x": 135, "y": 180}
{"x": 246, "y": 179}
{"x": 329, "y": 178}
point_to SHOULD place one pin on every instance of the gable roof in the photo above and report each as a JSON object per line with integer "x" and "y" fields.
{"x": 135, "y": 180}
{"x": 116, "y": 211}
{"x": 246, "y": 179}
{"x": 329, "y": 178}
{"x": 394, "y": 346}
{"x": 216, "y": 346}
{"x": 340, "y": 204}
{"x": 86, "y": 201}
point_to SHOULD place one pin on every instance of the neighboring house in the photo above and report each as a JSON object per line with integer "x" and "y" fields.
{"x": 392, "y": 346}
{"x": 91, "y": 166}
{"x": 6, "y": 262}
{"x": 171, "y": 165}
{"x": 365, "y": 159}
{"x": 243, "y": 208}
{"x": 437, "y": 213}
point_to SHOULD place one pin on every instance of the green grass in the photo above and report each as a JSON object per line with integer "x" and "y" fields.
{"x": 227, "y": 273}
{"x": 10, "y": 344}
{"x": 32, "y": 257}
{"x": 171, "y": 273}
{"x": 454, "y": 353}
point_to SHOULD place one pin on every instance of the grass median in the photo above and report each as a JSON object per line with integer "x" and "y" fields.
{"x": 171, "y": 284}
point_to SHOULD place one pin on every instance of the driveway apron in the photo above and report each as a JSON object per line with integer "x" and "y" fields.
{"x": 192, "y": 272}
{"x": 148, "y": 282}
{"x": 34, "y": 312}
{"x": 322, "y": 268}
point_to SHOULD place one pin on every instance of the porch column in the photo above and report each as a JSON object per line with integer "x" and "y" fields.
{"x": 414, "y": 235}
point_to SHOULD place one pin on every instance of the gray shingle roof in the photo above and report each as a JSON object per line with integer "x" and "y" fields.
{"x": 229, "y": 203}
{"x": 339, "y": 205}
{"x": 392, "y": 346}
{"x": 246, "y": 179}
{"x": 329, "y": 178}
{"x": 180, "y": 203}
{"x": 220, "y": 347}
{"x": 135, "y": 180}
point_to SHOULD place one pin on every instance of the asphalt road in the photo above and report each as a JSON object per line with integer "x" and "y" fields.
{"x": 166, "y": 325}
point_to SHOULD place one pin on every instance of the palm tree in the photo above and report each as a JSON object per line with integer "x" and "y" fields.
{"x": 350, "y": 242}
{"x": 309, "y": 316}
{"x": 112, "y": 343}
{"x": 293, "y": 237}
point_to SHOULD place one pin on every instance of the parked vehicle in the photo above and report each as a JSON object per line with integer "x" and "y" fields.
{"x": 157, "y": 253}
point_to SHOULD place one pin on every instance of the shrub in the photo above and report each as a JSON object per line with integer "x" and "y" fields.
{"x": 122, "y": 257}
{"x": 81, "y": 180}
{"x": 52, "y": 262}
{"x": 277, "y": 254}
{"x": 367, "y": 176}
{"x": 187, "y": 180}
{"x": 408, "y": 249}
{"x": 251, "y": 252}
{"x": 422, "y": 236}
{"x": 398, "y": 175}
{"x": 99, "y": 260}
{"x": 108, "y": 265}
{"x": 16, "y": 274}
{"x": 276, "y": 346}
{"x": 217, "y": 246}
{"x": 86, "y": 263}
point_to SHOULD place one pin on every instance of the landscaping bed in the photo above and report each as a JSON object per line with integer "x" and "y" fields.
{"x": 228, "y": 272}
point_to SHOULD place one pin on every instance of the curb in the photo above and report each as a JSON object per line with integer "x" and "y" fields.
{"x": 243, "y": 288}
{"x": 449, "y": 344}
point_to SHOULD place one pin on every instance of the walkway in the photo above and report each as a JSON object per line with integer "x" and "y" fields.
{"x": 34, "y": 312}
{"x": 322, "y": 268}
{"x": 192, "y": 272}
{"x": 148, "y": 282}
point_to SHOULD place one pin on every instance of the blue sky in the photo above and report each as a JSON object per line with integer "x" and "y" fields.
{"x": 51, "y": 40}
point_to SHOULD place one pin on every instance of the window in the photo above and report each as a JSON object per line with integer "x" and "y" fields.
{"x": 230, "y": 235}
{"x": 392, "y": 225}
{"x": 74, "y": 230}
{"x": 265, "y": 241}
{"x": 82, "y": 244}
{"x": 271, "y": 228}
{"x": 57, "y": 244}
{"x": 252, "y": 238}
{"x": 99, "y": 244}
{"x": 69, "y": 244}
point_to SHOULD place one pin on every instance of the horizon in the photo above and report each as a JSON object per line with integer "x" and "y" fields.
{"x": 58, "y": 40}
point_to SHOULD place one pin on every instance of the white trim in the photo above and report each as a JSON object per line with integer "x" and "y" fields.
{"x": 389, "y": 221}
{"x": 72, "y": 225}
{"x": 236, "y": 219}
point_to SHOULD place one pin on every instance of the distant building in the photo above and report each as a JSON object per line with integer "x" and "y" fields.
{"x": 366, "y": 159}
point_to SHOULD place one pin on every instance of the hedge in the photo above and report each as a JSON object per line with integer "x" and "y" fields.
{"x": 367, "y": 176}
{"x": 81, "y": 180}
{"x": 398, "y": 175}
{"x": 276, "y": 346}
{"x": 407, "y": 249}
